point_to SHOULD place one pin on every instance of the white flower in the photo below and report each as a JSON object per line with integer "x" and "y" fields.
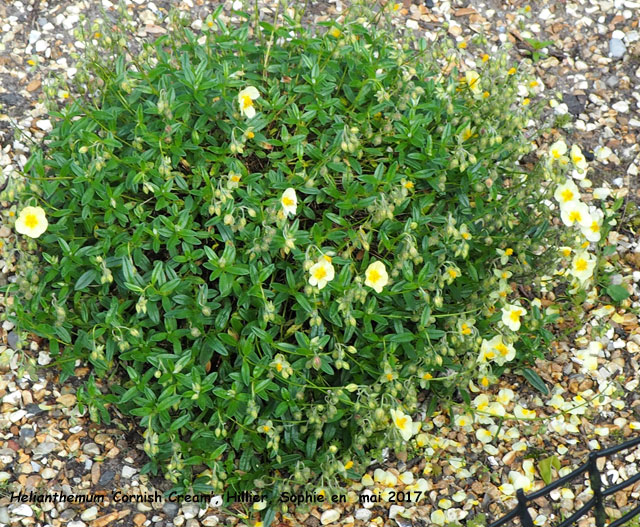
{"x": 31, "y": 222}
{"x": 437, "y": 517}
{"x": 592, "y": 231}
{"x": 321, "y": 272}
{"x": 376, "y": 276}
{"x": 496, "y": 350}
{"x": 578, "y": 159}
{"x": 289, "y": 202}
{"x": 582, "y": 266}
{"x": 601, "y": 193}
{"x": 520, "y": 481}
{"x": 245, "y": 100}
{"x": 511, "y": 316}
{"x": 404, "y": 424}
{"x": 558, "y": 149}
{"x": 566, "y": 193}
{"x": 483, "y": 435}
{"x": 523, "y": 413}
{"x": 575, "y": 212}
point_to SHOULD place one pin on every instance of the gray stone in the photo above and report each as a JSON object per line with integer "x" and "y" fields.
{"x": 33, "y": 409}
{"x": 91, "y": 449}
{"x": 44, "y": 448}
{"x": 13, "y": 339}
{"x": 4, "y": 515}
{"x": 170, "y": 509}
{"x": 612, "y": 81}
{"x": 106, "y": 477}
{"x": 617, "y": 49}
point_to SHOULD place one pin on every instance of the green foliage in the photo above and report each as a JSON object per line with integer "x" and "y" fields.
{"x": 170, "y": 265}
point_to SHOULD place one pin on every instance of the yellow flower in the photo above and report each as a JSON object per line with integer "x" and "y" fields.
{"x": 511, "y": 71}
{"x": 289, "y": 202}
{"x": 31, "y": 222}
{"x": 511, "y": 316}
{"x": 321, "y": 273}
{"x": 348, "y": 465}
{"x": 473, "y": 80}
{"x": 335, "y": 32}
{"x": 466, "y": 133}
{"x": 526, "y": 101}
{"x": 250, "y": 135}
{"x": 376, "y": 276}
{"x": 245, "y": 100}
{"x": 462, "y": 45}
{"x": 485, "y": 57}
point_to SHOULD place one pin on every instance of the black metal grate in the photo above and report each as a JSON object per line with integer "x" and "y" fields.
{"x": 596, "y": 502}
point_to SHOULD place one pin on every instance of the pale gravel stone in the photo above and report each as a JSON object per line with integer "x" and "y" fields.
{"x": 89, "y": 514}
{"x": 621, "y": 106}
{"x": 329, "y": 516}
{"x": 128, "y": 472}
{"x": 22, "y": 510}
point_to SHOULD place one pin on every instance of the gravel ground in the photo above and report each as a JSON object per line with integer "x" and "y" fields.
{"x": 46, "y": 445}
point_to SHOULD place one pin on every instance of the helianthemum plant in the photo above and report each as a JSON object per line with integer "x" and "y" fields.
{"x": 275, "y": 240}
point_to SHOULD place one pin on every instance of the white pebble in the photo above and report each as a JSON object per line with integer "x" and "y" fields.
{"x": 621, "y": 106}
{"x": 23, "y": 510}
{"x": 128, "y": 472}
{"x": 90, "y": 514}
{"x": 329, "y": 516}
{"x": 41, "y": 45}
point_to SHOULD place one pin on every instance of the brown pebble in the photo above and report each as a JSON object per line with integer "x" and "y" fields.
{"x": 106, "y": 519}
{"x": 95, "y": 473}
{"x": 139, "y": 519}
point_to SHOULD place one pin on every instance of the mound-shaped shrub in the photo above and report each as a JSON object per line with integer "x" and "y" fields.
{"x": 271, "y": 243}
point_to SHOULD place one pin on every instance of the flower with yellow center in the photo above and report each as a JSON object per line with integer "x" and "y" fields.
{"x": 348, "y": 465}
{"x": 289, "y": 202}
{"x": 481, "y": 402}
{"x": 335, "y": 32}
{"x": 483, "y": 435}
{"x": 465, "y": 329}
{"x": 404, "y": 424}
{"x": 575, "y": 212}
{"x": 32, "y": 222}
{"x": 473, "y": 81}
{"x": 321, "y": 273}
{"x": 577, "y": 158}
{"x": 505, "y": 396}
{"x": 592, "y": 231}
{"x": 496, "y": 350}
{"x": 511, "y": 315}
{"x": 245, "y": 100}
{"x": 485, "y": 57}
{"x": 558, "y": 149}
{"x": 376, "y": 276}
{"x": 582, "y": 266}
{"x": 566, "y": 251}
{"x": 466, "y": 133}
{"x": 520, "y": 481}
{"x": 250, "y": 135}
{"x": 566, "y": 193}
{"x": 511, "y": 71}
{"x": 523, "y": 413}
